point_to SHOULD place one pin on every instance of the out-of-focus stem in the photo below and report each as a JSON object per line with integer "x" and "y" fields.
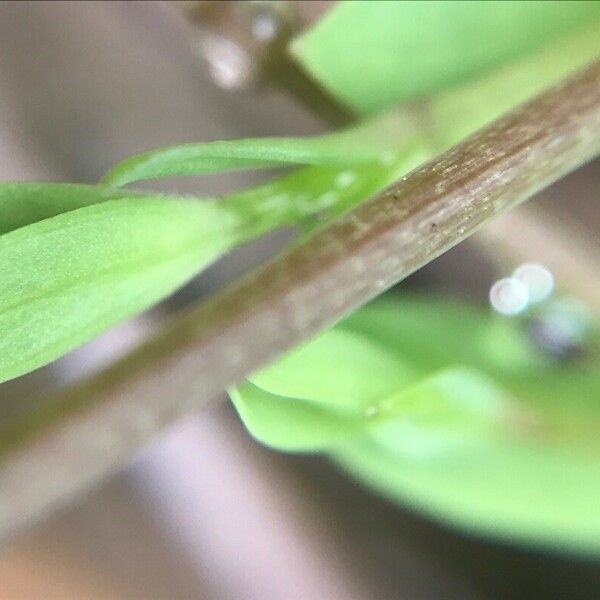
{"x": 245, "y": 45}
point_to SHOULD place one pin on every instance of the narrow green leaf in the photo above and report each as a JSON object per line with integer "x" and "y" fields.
{"x": 367, "y": 143}
{"x": 329, "y": 191}
{"x": 70, "y": 277}
{"x": 23, "y": 203}
{"x": 376, "y": 55}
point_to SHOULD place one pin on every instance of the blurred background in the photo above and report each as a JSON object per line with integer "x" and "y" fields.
{"x": 206, "y": 513}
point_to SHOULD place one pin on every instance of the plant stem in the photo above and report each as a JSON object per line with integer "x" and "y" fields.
{"x": 96, "y": 426}
{"x": 262, "y": 62}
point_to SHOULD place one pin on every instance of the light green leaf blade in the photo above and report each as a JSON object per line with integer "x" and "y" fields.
{"x": 423, "y": 409}
{"x": 433, "y": 332}
{"x": 23, "y": 203}
{"x": 526, "y": 492}
{"x": 367, "y": 143}
{"x": 447, "y": 412}
{"x": 358, "y": 373}
{"x": 70, "y": 277}
{"x": 376, "y": 55}
{"x": 315, "y": 195}
{"x": 292, "y": 424}
{"x": 504, "y": 444}
{"x": 339, "y": 368}
{"x": 455, "y": 113}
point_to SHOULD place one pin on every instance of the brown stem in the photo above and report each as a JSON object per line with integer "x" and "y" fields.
{"x": 263, "y": 62}
{"x": 99, "y": 424}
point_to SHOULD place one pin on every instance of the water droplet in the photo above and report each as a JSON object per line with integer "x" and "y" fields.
{"x": 509, "y": 296}
{"x": 538, "y": 280}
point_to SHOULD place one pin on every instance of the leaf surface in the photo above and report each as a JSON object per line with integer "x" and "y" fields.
{"x": 24, "y": 203}
{"x": 376, "y": 55}
{"x": 66, "y": 279}
{"x": 366, "y": 143}
{"x": 449, "y": 410}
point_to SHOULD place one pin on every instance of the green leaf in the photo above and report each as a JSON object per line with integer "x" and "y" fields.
{"x": 367, "y": 143}
{"x": 340, "y": 367}
{"x": 316, "y": 396}
{"x": 65, "y": 246}
{"x": 376, "y": 55}
{"x": 292, "y": 424}
{"x": 518, "y": 490}
{"x": 456, "y": 113}
{"x": 23, "y": 203}
{"x": 438, "y": 409}
{"x": 358, "y": 373}
{"x": 450, "y": 409}
{"x": 328, "y": 191}
{"x": 315, "y": 195}
{"x": 447, "y": 412}
{"x": 68, "y": 278}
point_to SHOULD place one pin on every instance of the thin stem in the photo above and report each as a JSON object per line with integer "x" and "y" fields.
{"x": 99, "y": 424}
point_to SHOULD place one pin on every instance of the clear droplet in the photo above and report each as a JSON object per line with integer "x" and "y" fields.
{"x": 538, "y": 280}
{"x": 509, "y": 296}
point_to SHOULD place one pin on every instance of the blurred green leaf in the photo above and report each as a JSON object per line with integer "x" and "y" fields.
{"x": 440, "y": 407}
{"x": 448, "y": 408}
{"x": 376, "y": 55}
{"x": 292, "y": 424}
{"x": 441, "y": 122}
{"x": 68, "y": 278}
{"x": 518, "y": 489}
{"x": 370, "y": 142}
{"x": 463, "y": 335}
{"x": 456, "y": 113}
{"x": 340, "y": 367}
